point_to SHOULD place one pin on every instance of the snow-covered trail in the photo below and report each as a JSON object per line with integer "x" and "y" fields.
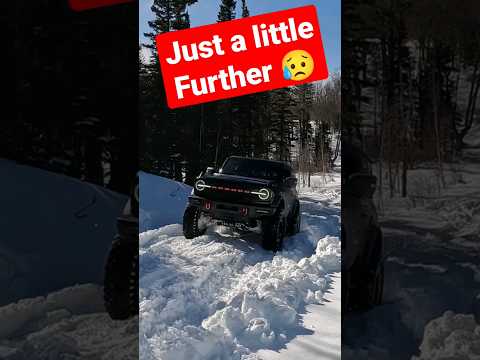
{"x": 432, "y": 267}
{"x": 67, "y": 324}
{"x": 424, "y": 277}
{"x": 221, "y": 296}
{"x": 325, "y": 321}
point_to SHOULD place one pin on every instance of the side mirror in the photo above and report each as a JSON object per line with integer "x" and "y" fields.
{"x": 291, "y": 181}
{"x": 210, "y": 170}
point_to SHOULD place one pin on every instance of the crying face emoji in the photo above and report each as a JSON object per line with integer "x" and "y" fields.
{"x": 297, "y": 65}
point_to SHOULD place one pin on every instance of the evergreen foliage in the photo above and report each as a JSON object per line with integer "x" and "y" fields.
{"x": 179, "y": 144}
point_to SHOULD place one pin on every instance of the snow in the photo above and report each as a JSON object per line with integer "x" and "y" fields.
{"x": 432, "y": 248}
{"x": 221, "y": 296}
{"x": 163, "y": 201}
{"x": 47, "y": 215}
{"x": 67, "y": 324}
{"x": 431, "y": 268}
{"x": 16, "y": 316}
{"x": 451, "y": 336}
{"x": 322, "y": 320}
{"x": 475, "y": 269}
{"x": 57, "y": 232}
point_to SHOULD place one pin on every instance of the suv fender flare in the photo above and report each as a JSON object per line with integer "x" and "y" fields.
{"x": 281, "y": 209}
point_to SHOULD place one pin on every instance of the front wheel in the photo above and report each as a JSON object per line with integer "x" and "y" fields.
{"x": 295, "y": 220}
{"x": 273, "y": 232}
{"x": 376, "y": 293}
{"x": 376, "y": 271}
{"x": 191, "y": 223}
{"x": 377, "y": 282}
{"x": 121, "y": 281}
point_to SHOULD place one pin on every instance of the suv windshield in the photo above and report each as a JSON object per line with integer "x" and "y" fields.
{"x": 261, "y": 169}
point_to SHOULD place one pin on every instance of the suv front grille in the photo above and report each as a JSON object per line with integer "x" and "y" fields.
{"x": 220, "y": 194}
{"x": 227, "y": 207}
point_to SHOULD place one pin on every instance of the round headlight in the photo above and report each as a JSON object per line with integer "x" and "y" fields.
{"x": 200, "y": 185}
{"x": 264, "y": 194}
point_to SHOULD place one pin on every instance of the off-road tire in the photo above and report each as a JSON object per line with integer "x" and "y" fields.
{"x": 273, "y": 232}
{"x": 368, "y": 280}
{"x": 191, "y": 218}
{"x": 379, "y": 279}
{"x": 294, "y": 221}
{"x": 377, "y": 287}
{"x": 346, "y": 306}
{"x": 121, "y": 281}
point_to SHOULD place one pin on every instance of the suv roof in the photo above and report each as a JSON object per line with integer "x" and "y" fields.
{"x": 266, "y": 169}
{"x": 277, "y": 162}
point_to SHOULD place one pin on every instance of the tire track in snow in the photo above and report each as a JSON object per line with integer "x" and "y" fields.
{"x": 221, "y": 296}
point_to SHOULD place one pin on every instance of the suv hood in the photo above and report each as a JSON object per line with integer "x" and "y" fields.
{"x": 234, "y": 189}
{"x": 234, "y": 179}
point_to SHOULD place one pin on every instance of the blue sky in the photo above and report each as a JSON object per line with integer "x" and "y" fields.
{"x": 329, "y": 14}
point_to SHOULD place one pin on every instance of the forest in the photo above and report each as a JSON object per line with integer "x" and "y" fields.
{"x": 299, "y": 124}
{"x": 412, "y": 78}
{"x": 75, "y": 104}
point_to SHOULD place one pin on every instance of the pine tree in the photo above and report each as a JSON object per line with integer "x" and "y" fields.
{"x": 227, "y": 10}
{"x": 224, "y": 119}
{"x": 281, "y": 123}
{"x": 168, "y": 131}
{"x": 245, "y": 11}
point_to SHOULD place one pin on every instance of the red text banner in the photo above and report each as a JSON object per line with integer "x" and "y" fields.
{"x": 240, "y": 57}
{"x": 81, "y": 5}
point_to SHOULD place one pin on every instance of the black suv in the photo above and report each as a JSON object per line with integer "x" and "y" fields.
{"x": 249, "y": 194}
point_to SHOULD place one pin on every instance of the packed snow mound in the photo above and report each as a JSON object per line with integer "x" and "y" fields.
{"x": 262, "y": 307}
{"x": 31, "y": 313}
{"x": 451, "y": 336}
{"x": 246, "y": 301}
{"x": 221, "y": 296}
{"x": 51, "y": 227}
{"x": 162, "y": 201}
{"x": 68, "y": 324}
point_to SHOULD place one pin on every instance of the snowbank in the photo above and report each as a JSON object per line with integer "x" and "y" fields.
{"x": 322, "y": 325}
{"x": 56, "y": 231}
{"x": 221, "y": 296}
{"x": 451, "y": 336}
{"x": 30, "y": 313}
{"x": 68, "y": 324}
{"x": 162, "y": 201}
{"x": 262, "y": 309}
{"x": 215, "y": 300}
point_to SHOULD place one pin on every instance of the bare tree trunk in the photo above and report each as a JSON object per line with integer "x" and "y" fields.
{"x": 219, "y": 141}
{"x": 337, "y": 147}
{"x": 472, "y": 103}
{"x": 309, "y": 176}
{"x": 406, "y": 152}
{"x": 436, "y": 126}
{"x": 202, "y": 128}
{"x": 391, "y": 180}
{"x": 380, "y": 170}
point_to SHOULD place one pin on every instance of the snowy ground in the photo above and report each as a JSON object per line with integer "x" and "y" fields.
{"x": 451, "y": 336}
{"x": 325, "y": 322}
{"x": 52, "y": 226}
{"x": 162, "y": 203}
{"x": 221, "y": 296}
{"x": 433, "y": 266}
{"x": 56, "y": 233}
{"x": 68, "y": 324}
